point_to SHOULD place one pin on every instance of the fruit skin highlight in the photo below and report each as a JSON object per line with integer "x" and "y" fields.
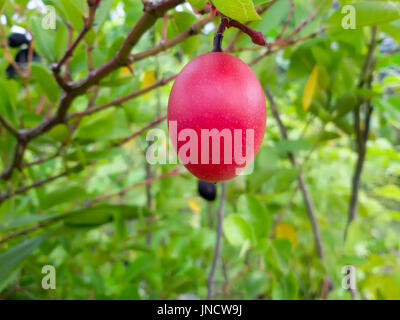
{"x": 217, "y": 91}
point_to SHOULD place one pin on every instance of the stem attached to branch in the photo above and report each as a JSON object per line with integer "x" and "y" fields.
{"x": 217, "y": 253}
{"x": 256, "y": 36}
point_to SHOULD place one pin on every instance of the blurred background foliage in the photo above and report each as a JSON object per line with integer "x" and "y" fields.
{"x": 157, "y": 241}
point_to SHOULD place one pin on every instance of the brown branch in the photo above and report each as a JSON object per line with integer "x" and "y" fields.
{"x": 7, "y": 53}
{"x": 121, "y": 100}
{"x": 362, "y": 134}
{"x": 98, "y": 199}
{"x": 302, "y": 24}
{"x": 218, "y": 244}
{"x": 16, "y": 162}
{"x": 288, "y": 19}
{"x": 302, "y": 185}
{"x": 166, "y": 44}
{"x": 139, "y": 132}
{"x": 123, "y": 191}
{"x": 284, "y": 43}
{"x": 152, "y": 11}
{"x": 93, "y": 5}
{"x": 26, "y": 231}
{"x": 9, "y": 127}
{"x": 36, "y": 184}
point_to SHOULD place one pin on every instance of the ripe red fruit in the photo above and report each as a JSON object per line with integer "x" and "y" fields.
{"x": 216, "y": 91}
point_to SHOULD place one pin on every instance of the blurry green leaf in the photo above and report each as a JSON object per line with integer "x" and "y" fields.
{"x": 59, "y": 132}
{"x": 101, "y": 214}
{"x": 102, "y": 13}
{"x": 62, "y": 195}
{"x": 286, "y": 146}
{"x": 46, "y": 81}
{"x": 240, "y": 10}
{"x": 383, "y": 12}
{"x": 8, "y": 93}
{"x": 43, "y": 39}
{"x": 73, "y": 13}
{"x": 260, "y": 217}
{"x": 61, "y": 40}
{"x": 237, "y": 230}
{"x": 106, "y": 125}
{"x": 198, "y": 4}
{"x": 25, "y": 220}
{"x": 12, "y": 259}
{"x": 390, "y": 191}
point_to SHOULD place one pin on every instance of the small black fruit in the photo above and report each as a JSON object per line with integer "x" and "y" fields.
{"x": 207, "y": 190}
{"x": 16, "y": 40}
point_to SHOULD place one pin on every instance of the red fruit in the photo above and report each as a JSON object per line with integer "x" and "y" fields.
{"x": 216, "y": 91}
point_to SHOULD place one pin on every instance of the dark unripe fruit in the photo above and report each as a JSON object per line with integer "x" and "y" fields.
{"x": 207, "y": 190}
{"x": 216, "y": 91}
{"x": 16, "y": 40}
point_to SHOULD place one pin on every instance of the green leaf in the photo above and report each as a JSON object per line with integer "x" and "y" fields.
{"x": 285, "y": 146}
{"x": 102, "y": 14}
{"x": 12, "y": 259}
{"x": 237, "y": 230}
{"x": 240, "y": 10}
{"x": 61, "y": 40}
{"x": 46, "y": 81}
{"x": 30, "y": 219}
{"x": 73, "y": 13}
{"x": 198, "y": 4}
{"x": 390, "y": 191}
{"x": 101, "y": 214}
{"x": 44, "y": 42}
{"x": 62, "y": 195}
{"x": 2, "y": 3}
{"x": 105, "y": 125}
{"x": 368, "y": 13}
{"x": 261, "y": 220}
{"x": 8, "y": 92}
{"x": 59, "y": 132}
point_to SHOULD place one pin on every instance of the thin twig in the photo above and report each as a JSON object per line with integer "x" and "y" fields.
{"x": 152, "y": 11}
{"x": 218, "y": 245}
{"x": 9, "y": 127}
{"x": 119, "y": 101}
{"x": 362, "y": 135}
{"x": 302, "y": 185}
{"x": 123, "y": 191}
{"x": 288, "y": 19}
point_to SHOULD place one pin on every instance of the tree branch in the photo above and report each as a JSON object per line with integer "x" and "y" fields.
{"x": 166, "y": 44}
{"x": 9, "y": 127}
{"x": 362, "y": 134}
{"x": 36, "y": 184}
{"x": 302, "y": 185}
{"x": 288, "y": 19}
{"x": 139, "y": 132}
{"x": 126, "y": 98}
{"x": 93, "y": 5}
{"x": 152, "y": 11}
{"x": 218, "y": 245}
{"x": 123, "y": 191}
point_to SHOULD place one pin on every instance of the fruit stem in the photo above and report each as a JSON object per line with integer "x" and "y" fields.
{"x": 220, "y": 35}
{"x": 256, "y": 36}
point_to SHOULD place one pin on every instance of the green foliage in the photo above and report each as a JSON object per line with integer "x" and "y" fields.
{"x": 240, "y": 10}
{"x": 94, "y": 223}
